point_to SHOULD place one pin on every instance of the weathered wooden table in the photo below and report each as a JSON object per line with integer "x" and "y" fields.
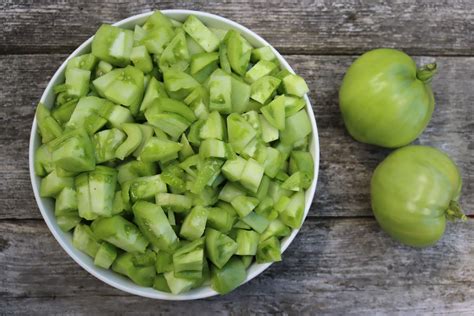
{"x": 341, "y": 262}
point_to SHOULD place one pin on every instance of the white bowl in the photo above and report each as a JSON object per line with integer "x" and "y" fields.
{"x": 46, "y": 205}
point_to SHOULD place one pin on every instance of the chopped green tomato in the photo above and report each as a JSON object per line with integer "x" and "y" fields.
{"x": 157, "y": 21}
{"x": 141, "y": 59}
{"x": 198, "y": 101}
{"x": 219, "y": 247}
{"x": 269, "y": 132}
{"x": 68, "y": 221}
{"x": 282, "y": 203}
{"x": 157, "y": 149}
{"x": 90, "y": 113}
{"x": 212, "y": 148}
{"x": 297, "y": 127}
{"x": 167, "y": 105}
{"x": 186, "y": 148}
{"x": 264, "y": 88}
{"x": 85, "y": 62}
{"x": 105, "y": 256}
{"x": 238, "y": 52}
{"x": 170, "y": 123}
{"x": 268, "y": 250}
{"x": 62, "y": 114}
{"x": 77, "y": 81}
{"x": 220, "y": 92}
{"x": 240, "y": 95}
{"x": 208, "y": 170}
{"x": 246, "y": 260}
{"x": 194, "y": 130}
{"x": 141, "y": 275}
{"x": 160, "y": 284}
{"x": 189, "y": 258}
{"x": 247, "y": 241}
{"x": 176, "y": 54}
{"x": 230, "y": 191}
{"x": 173, "y": 175}
{"x": 118, "y": 116}
{"x": 302, "y": 161}
{"x": 96, "y": 192}
{"x": 256, "y": 222}
{"x": 201, "y": 34}
{"x": 176, "y": 202}
{"x": 207, "y": 197}
{"x": 295, "y": 85}
{"x": 252, "y": 175}
{"x": 228, "y": 277}
{"x": 73, "y": 152}
{"x": 164, "y": 262}
{"x": 223, "y": 58}
{"x": 239, "y": 131}
{"x": 83, "y": 239}
{"x": 124, "y": 86}
{"x": 103, "y": 67}
{"x": 244, "y": 204}
{"x": 265, "y": 207}
{"x": 263, "y": 53}
{"x": 66, "y": 202}
{"x": 203, "y": 65}
{"x": 178, "y": 285}
{"x": 274, "y": 112}
{"x": 293, "y": 214}
{"x": 221, "y": 218}
{"x": 52, "y": 184}
{"x": 118, "y": 205}
{"x": 134, "y": 169}
{"x": 214, "y": 127}
{"x": 233, "y": 169}
{"x": 179, "y": 84}
{"x": 194, "y": 224}
{"x": 148, "y": 258}
{"x": 134, "y": 139}
{"x": 120, "y": 233}
{"x": 193, "y": 46}
{"x": 293, "y": 104}
{"x": 154, "y": 224}
{"x": 276, "y": 228}
{"x": 147, "y": 133}
{"x": 48, "y": 127}
{"x": 106, "y": 143}
{"x": 294, "y": 182}
{"x": 113, "y": 45}
{"x": 155, "y": 89}
{"x": 43, "y": 161}
{"x": 260, "y": 69}
{"x": 262, "y": 191}
{"x": 145, "y": 188}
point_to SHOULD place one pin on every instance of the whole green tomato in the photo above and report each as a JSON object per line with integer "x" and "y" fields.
{"x": 385, "y": 100}
{"x": 413, "y": 191}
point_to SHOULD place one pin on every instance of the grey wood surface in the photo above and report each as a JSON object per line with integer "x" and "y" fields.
{"x": 341, "y": 262}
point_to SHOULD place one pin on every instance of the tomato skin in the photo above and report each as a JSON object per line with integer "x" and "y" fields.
{"x": 411, "y": 191}
{"x": 385, "y": 100}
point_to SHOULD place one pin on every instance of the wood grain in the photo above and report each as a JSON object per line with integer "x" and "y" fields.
{"x": 333, "y": 266}
{"x": 297, "y": 27}
{"x": 346, "y": 165}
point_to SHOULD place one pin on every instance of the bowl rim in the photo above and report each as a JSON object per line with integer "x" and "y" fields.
{"x": 204, "y": 291}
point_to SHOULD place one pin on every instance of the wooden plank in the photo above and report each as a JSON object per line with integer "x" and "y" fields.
{"x": 310, "y": 27}
{"x": 333, "y": 266}
{"x": 346, "y": 165}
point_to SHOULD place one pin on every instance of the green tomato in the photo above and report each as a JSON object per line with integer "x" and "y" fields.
{"x": 385, "y": 100}
{"x": 413, "y": 191}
